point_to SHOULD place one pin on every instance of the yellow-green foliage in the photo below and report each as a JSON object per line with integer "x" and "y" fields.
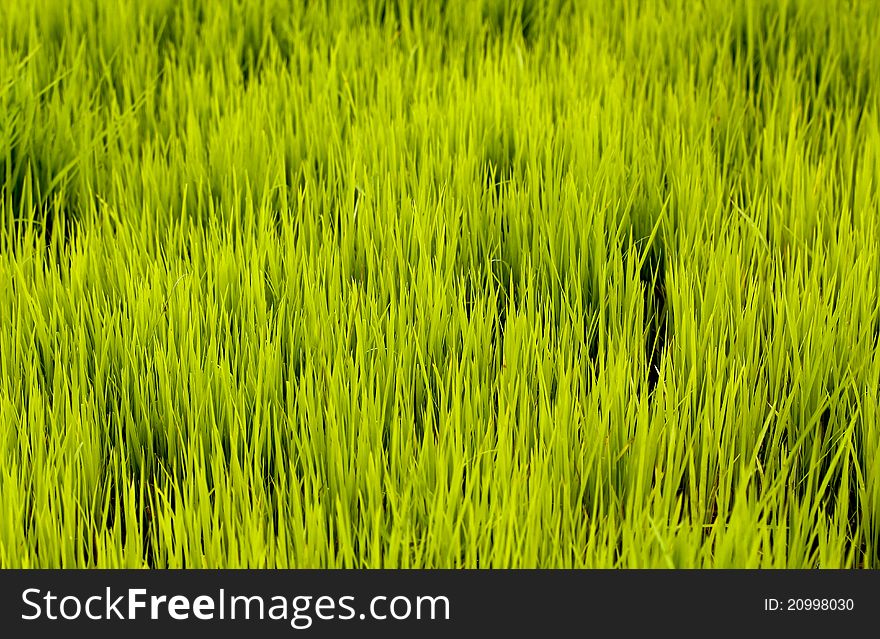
{"x": 439, "y": 284}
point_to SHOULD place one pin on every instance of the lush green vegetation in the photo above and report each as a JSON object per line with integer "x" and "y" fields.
{"x": 439, "y": 284}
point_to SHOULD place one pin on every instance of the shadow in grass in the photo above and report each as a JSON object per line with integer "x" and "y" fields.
{"x": 653, "y": 278}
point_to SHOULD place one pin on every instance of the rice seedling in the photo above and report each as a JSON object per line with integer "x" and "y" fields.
{"x": 439, "y": 284}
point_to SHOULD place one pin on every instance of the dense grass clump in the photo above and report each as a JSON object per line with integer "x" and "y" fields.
{"x": 439, "y": 284}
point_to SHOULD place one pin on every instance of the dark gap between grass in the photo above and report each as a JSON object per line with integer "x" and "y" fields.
{"x": 35, "y": 187}
{"x": 653, "y": 279}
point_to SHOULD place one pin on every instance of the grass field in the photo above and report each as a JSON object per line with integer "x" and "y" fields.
{"x": 439, "y": 284}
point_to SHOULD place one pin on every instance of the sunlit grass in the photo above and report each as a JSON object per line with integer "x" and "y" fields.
{"x": 424, "y": 284}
